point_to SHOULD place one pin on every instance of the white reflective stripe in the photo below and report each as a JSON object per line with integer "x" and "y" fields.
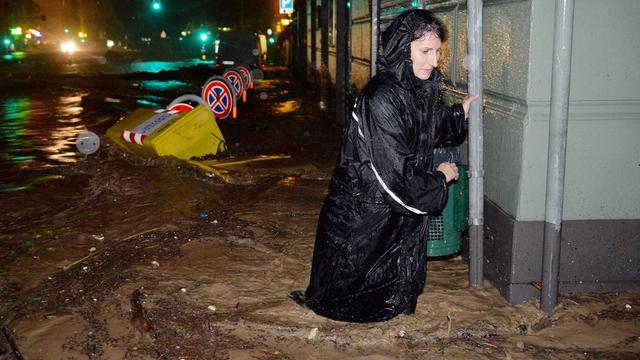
{"x": 394, "y": 196}
{"x": 137, "y": 138}
{"x": 384, "y": 186}
{"x": 125, "y": 135}
{"x": 355, "y": 117}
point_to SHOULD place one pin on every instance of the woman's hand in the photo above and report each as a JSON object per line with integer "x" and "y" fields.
{"x": 450, "y": 171}
{"x": 466, "y": 104}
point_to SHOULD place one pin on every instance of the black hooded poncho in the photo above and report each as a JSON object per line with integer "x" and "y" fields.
{"x": 369, "y": 260}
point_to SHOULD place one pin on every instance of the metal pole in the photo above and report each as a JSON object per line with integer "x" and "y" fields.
{"x": 342, "y": 61}
{"x": 314, "y": 29}
{"x": 558, "y": 124}
{"x": 300, "y": 63}
{"x": 324, "y": 53}
{"x": 476, "y": 172}
{"x": 324, "y": 34}
{"x": 454, "y": 48}
{"x": 375, "y": 28}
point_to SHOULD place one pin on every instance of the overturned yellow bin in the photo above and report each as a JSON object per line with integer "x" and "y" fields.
{"x": 184, "y": 135}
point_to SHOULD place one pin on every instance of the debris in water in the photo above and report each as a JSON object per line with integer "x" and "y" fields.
{"x": 155, "y": 264}
{"x": 312, "y": 333}
{"x": 520, "y": 345}
{"x": 8, "y": 344}
{"x": 183, "y": 290}
{"x": 87, "y": 142}
{"x": 92, "y": 249}
{"x": 203, "y": 214}
{"x": 627, "y": 306}
{"x": 211, "y": 307}
{"x": 139, "y": 318}
{"x": 112, "y": 100}
{"x": 99, "y": 237}
{"x": 523, "y": 329}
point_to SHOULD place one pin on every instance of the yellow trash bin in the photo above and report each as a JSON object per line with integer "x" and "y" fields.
{"x": 184, "y": 135}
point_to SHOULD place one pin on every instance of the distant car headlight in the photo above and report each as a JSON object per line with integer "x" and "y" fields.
{"x": 68, "y": 47}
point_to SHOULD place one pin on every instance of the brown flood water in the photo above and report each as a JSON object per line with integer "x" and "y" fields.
{"x": 113, "y": 257}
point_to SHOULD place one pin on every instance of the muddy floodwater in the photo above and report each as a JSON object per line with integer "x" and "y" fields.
{"x": 111, "y": 256}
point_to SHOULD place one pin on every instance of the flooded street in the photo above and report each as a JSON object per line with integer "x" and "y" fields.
{"x": 111, "y": 256}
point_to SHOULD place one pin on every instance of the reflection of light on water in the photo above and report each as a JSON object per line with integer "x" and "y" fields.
{"x": 13, "y": 187}
{"x": 61, "y": 139}
{"x": 148, "y": 103}
{"x": 160, "y": 85}
{"x": 69, "y": 106}
{"x": 32, "y": 127}
{"x": 39, "y": 133}
{"x": 157, "y": 66}
{"x": 13, "y": 130}
{"x": 287, "y": 106}
{"x": 70, "y": 121}
{"x": 288, "y": 181}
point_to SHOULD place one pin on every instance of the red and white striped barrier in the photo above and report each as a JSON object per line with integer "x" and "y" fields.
{"x": 137, "y": 135}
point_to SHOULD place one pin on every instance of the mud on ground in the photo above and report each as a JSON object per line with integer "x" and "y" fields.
{"x": 125, "y": 258}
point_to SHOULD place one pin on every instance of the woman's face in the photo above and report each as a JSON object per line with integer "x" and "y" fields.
{"x": 425, "y": 54}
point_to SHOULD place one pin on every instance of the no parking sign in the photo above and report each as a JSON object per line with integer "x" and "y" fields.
{"x": 246, "y": 76}
{"x": 236, "y": 81}
{"x": 218, "y": 93}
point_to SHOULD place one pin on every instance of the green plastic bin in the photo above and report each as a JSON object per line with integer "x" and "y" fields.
{"x": 445, "y": 230}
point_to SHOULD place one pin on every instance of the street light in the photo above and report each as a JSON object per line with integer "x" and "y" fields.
{"x": 203, "y": 37}
{"x": 156, "y": 6}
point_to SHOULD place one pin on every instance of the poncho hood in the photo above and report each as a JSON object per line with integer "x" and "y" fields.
{"x": 396, "y": 49}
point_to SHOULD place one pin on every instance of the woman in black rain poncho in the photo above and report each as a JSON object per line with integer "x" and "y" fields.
{"x": 369, "y": 260}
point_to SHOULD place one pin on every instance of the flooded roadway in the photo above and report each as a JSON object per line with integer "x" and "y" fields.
{"x": 115, "y": 257}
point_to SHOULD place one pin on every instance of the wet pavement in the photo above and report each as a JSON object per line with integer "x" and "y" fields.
{"x": 116, "y": 257}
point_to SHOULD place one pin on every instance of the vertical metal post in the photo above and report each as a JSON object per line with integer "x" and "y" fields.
{"x": 324, "y": 33}
{"x": 300, "y": 60}
{"x": 343, "y": 80}
{"x": 558, "y": 124}
{"x": 314, "y": 30}
{"x": 476, "y": 166}
{"x": 375, "y": 29}
{"x": 324, "y": 53}
{"x": 454, "y": 46}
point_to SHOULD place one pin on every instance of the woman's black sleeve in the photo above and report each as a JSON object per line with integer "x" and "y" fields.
{"x": 411, "y": 189}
